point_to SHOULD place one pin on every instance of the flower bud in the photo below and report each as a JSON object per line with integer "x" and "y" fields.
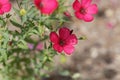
{"x": 22, "y": 12}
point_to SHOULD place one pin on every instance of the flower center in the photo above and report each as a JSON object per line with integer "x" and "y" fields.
{"x": 82, "y": 10}
{"x": 62, "y": 42}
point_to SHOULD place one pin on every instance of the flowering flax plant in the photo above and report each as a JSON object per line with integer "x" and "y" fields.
{"x": 31, "y": 34}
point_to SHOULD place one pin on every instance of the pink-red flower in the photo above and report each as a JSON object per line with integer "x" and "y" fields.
{"x": 5, "y": 6}
{"x": 65, "y": 41}
{"x": 39, "y": 46}
{"x": 46, "y": 6}
{"x": 84, "y": 10}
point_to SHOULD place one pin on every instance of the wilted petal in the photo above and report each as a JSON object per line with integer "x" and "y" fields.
{"x": 68, "y": 49}
{"x": 92, "y": 9}
{"x": 54, "y": 37}
{"x": 58, "y": 48}
{"x": 88, "y": 18}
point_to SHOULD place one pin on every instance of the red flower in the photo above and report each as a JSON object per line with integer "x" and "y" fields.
{"x": 65, "y": 41}
{"x": 46, "y": 6}
{"x": 5, "y": 6}
{"x": 84, "y": 10}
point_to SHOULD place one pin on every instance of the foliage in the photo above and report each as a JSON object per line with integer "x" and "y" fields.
{"x": 20, "y": 58}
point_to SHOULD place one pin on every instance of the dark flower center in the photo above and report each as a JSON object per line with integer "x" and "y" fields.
{"x": 71, "y": 32}
{"x": 62, "y": 42}
{"x": 82, "y": 10}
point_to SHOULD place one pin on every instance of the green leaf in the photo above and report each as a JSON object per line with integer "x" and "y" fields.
{"x": 31, "y": 12}
{"x": 16, "y": 11}
{"x": 22, "y": 44}
{"x": 2, "y": 22}
{"x": 8, "y": 15}
{"x": 24, "y": 18}
{"x": 25, "y": 1}
{"x": 3, "y": 54}
{"x": 16, "y": 23}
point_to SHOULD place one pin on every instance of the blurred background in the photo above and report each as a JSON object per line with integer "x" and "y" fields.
{"x": 97, "y": 57}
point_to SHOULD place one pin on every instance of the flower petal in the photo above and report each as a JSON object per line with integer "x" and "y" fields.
{"x": 86, "y": 3}
{"x": 72, "y": 40}
{"x": 58, "y": 48}
{"x": 64, "y": 33}
{"x": 49, "y": 6}
{"x": 54, "y": 37}
{"x": 1, "y": 12}
{"x": 88, "y": 18}
{"x": 6, "y": 7}
{"x": 37, "y": 3}
{"x": 92, "y": 9}
{"x": 79, "y": 15}
{"x": 30, "y": 46}
{"x": 4, "y": 1}
{"x": 76, "y": 5}
{"x": 46, "y": 6}
{"x": 39, "y": 46}
{"x": 68, "y": 49}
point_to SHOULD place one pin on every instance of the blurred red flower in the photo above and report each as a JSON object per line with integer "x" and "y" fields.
{"x": 84, "y": 9}
{"x": 65, "y": 41}
{"x": 46, "y": 6}
{"x": 38, "y": 47}
{"x": 5, "y": 6}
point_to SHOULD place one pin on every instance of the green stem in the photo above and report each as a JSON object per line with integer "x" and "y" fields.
{"x": 18, "y": 4}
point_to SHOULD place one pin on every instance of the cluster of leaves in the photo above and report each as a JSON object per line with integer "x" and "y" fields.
{"x": 17, "y": 60}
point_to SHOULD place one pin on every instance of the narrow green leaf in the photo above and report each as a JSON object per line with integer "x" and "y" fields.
{"x": 16, "y": 23}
